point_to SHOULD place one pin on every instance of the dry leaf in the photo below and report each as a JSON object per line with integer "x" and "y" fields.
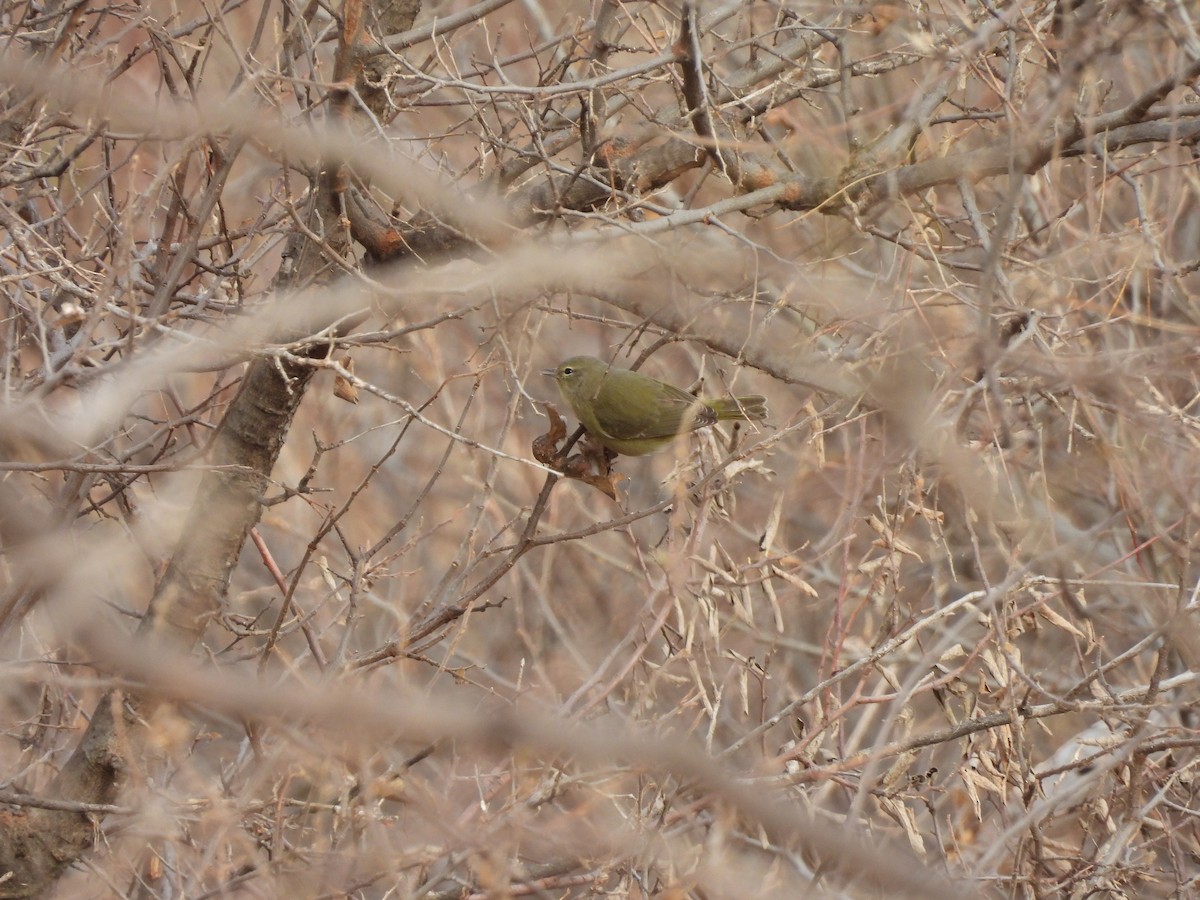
{"x": 343, "y": 388}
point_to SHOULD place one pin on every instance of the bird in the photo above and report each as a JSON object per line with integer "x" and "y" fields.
{"x": 633, "y": 414}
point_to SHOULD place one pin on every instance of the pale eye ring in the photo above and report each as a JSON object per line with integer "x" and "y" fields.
{"x": 568, "y": 371}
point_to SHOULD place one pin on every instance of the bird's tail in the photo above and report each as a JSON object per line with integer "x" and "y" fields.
{"x": 753, "y": 407}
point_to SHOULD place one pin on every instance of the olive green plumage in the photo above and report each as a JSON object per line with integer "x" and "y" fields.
{"x": 633, "y": 414}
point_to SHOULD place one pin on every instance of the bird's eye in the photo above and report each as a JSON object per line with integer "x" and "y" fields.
{"x": 568, "y": 371}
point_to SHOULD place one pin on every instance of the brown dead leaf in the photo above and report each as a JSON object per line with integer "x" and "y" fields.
{"x": 343, "y": 388}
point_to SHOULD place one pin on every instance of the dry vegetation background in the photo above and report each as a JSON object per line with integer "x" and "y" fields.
{"x": 930, "y": 631}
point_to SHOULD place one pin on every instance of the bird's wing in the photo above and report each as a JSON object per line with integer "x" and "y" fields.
{"x": 662, "y": 414}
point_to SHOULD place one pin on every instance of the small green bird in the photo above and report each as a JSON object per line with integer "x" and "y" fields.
{"x": 632, "y": 414}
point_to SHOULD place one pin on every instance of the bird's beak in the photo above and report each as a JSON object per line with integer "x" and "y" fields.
{"x": 553, "y": 373}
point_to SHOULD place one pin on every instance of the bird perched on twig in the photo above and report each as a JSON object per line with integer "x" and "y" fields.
{"x": 633, "y": 414}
